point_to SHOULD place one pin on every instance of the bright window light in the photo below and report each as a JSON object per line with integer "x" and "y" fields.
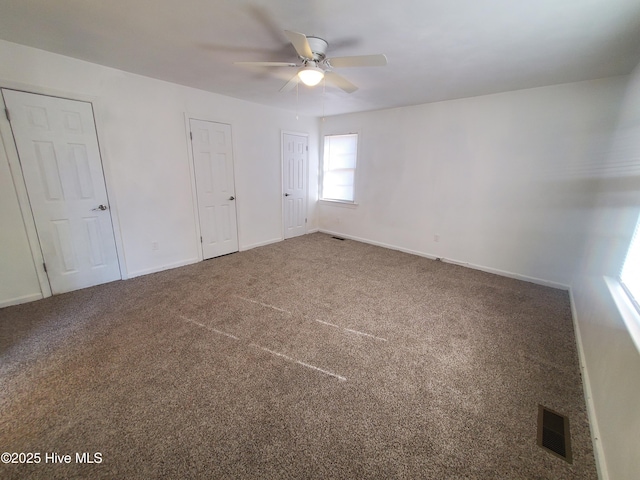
{"x": 339, "y": 167}
{"x": 630, "y": 275}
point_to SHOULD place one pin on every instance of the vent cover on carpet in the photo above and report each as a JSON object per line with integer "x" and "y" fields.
{"x": 553, "y": 433}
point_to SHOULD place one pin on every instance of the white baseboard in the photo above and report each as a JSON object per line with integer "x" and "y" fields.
{"x": 161, "y": 268}
{"x": 182, "y": 263}
{"x": 260, "y": 244}
{"x": 23, "y": 299}
{"x": 377, "y": 244}
{"x": 601, "y": 464}
{"x": 503, "y": 273}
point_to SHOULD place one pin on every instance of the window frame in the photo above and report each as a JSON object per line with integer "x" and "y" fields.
{"x": 344, "y": 202}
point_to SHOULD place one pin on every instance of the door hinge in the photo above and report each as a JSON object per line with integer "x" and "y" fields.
{"x": 44, "y": 265}
{"x": 307, "y": 147}
{"x": 200, "y": 239}
{"x": 191, "y": 135}
{"x": 6, "y": 112}
{"x": 305, "y": 220}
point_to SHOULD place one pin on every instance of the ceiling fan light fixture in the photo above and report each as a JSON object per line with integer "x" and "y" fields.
{"x": 311, "y": 75}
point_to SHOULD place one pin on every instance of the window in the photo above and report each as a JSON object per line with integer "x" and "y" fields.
{"x": 630, "y": 275}
{"x": 339, "y": 167}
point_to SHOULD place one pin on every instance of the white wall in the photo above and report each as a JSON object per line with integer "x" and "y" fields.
{"x": 612, "y": 359}
{"x": 18, "y": 280}
{"x": 541, "y": 184}
{"x": 143, "y": 138}
{"x": 490, "y": 175}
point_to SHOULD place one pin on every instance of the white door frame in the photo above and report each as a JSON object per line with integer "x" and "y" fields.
{"x": 192, "y": 173}
{"x": 13, "y": 158}
{"x": 306, "y": 203}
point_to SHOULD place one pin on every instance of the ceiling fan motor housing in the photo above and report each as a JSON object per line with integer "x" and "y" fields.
{"x": 318, "y": 48}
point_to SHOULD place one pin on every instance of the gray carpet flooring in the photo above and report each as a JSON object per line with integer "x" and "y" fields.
{"x": 309, "y": 358}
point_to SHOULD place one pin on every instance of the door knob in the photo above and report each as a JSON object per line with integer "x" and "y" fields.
{"x": 232, "y": 197}
{"x": 287, "y": 194}
{"x": 99, "y": 207}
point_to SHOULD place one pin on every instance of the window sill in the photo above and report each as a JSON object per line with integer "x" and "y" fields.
{"x": 627, "y": 309}
{"x": 338, "y": 203}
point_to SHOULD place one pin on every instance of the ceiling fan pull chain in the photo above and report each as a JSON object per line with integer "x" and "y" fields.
{"x": 324, "y": 88}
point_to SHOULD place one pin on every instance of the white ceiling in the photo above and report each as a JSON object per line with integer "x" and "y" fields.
{"x": 436, "y": 49}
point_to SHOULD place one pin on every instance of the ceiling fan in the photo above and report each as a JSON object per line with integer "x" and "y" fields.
{"x": 313, "y": 64}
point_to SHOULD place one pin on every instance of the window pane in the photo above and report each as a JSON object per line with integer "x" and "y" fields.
{"x": 339, "y": 166}
{"x": 343, "y": 143}
{"x": 342, "y": 161}
{"x": 630, "y": 275}
{"x": 342, "y": 151}
{"x": 337, "y": 192}
{"x": 343, "y": 178}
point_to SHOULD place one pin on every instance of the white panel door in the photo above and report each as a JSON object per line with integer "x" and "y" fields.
{"x": 213, "y": 165}
{"x": 294, "y": 175}
{"x": 58, "y": 149}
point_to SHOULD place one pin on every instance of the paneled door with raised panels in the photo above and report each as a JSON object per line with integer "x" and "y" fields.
{"x": 213, "y": 166}
{"x": 294, "y": 180}
{"x": 58, "y": 149}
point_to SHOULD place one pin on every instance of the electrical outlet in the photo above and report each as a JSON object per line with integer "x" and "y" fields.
{"x": 155, "y": 246}
{"x": 436, "y": 238}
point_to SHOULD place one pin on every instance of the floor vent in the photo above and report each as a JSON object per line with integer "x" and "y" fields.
{"x": 553, "y": 433}
{"x": 338, "y": 238}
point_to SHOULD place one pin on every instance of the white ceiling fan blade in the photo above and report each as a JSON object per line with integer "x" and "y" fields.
{"x": 340, "y": 82}
{"x": 359, "y": 61}
{"x": 290, "y": 84}
{"x": 300, "y": 43}
{"x": 267, "y": 64}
